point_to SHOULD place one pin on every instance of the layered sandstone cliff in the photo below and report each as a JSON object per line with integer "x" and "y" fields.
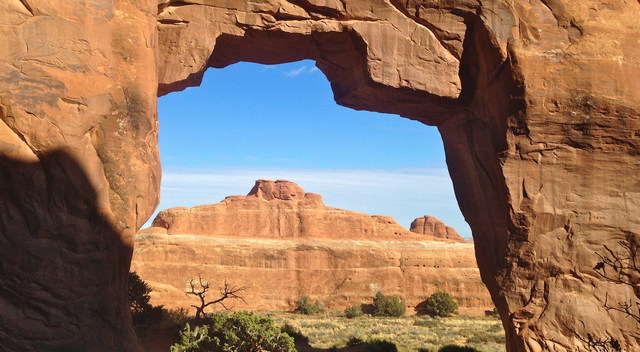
{"x": 283, "y": 243}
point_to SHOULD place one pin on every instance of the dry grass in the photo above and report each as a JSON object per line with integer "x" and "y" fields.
{"x": 408, "y": 333}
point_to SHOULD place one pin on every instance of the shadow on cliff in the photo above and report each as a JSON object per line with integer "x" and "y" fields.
{"x": 62, "y": 264}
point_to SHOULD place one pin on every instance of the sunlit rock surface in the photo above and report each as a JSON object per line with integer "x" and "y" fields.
{"x": 282, "y": 243}
{"x": 537, "y": 102}
{"x": 428, "y": 225}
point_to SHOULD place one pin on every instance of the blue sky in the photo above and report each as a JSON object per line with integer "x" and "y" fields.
{"x": 249, "y": 121}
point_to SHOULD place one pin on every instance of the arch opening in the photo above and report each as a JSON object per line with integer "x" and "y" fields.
{"x": 415, "y": 182}
{"x": 251, "y": 121}
{"x": 472, "y": 96}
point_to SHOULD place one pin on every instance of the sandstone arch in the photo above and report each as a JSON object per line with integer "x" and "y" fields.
{"x": 536, "y": 101}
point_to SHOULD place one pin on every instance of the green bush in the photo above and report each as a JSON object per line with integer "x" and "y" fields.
{"x": 191, "y": 340}
{"x": 240, "y": 332}
{"x": 304, "y": 306}
{"x": 386, "y": 306}
{"x": 353, "y": 312}
{"x": 456, "y": 348}
{"x": 439, "y": 304}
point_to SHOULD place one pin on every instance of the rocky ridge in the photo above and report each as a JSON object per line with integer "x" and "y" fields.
{"x": 283, "y": 243}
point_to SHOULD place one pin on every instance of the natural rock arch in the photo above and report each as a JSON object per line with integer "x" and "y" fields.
{"x": 536, "y": 102}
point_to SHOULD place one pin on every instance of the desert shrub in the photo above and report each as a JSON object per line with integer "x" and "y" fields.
{"x": 433, "y": 323}
{"x": 492, "y": 313}
{"x": 456, "y": 348}
{"x": 381, "y": 346}
{"x": 386, "y": 306}
{"x": 241, "y": 332}
{"x": 353, "y": 341}
{"x": 138, "y": 293}
{"x": 143, "y": 314}
{"x": 178, "y": 316}
{"x": 191, "y": 340}
{"x": 304, "y": 306}
{"x": 373, "y": 345}
{"x": 353, "y": 312}
{"x": 439, "y": 304}
{"x": 295, "y": 333}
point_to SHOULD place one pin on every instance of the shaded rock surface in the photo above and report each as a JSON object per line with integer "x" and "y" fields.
{"x": 284, "y": 243}
{"x": 537, "y": 102}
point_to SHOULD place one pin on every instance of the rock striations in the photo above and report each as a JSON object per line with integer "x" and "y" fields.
{"x": 428, "y": 225}
{"x": 283, "y": 243}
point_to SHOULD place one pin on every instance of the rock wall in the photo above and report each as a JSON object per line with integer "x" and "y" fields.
{"x": 536, "y": 100}
{"x": 283, "y": 243}
{"x": 536, "y": 108}
{"x": 79, "y": 168}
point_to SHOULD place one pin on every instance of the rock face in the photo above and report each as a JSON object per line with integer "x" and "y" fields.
{"x": 279, "y": 209}
{"x": 537, "y": 102}
{"x": 428, "y": 225}
{"x": 283, "y": 243}
{"x": 79, "y": 168}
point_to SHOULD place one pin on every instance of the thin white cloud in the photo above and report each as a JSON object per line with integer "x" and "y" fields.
{"x": 404, "y": 194}
{"x": 296, "y": 72}
{"x": 266, "y": 68}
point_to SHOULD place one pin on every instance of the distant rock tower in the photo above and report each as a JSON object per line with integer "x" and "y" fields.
{"x": 428, "y": 225}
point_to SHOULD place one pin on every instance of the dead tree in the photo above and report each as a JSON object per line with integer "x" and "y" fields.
{"x": 200, "y": 289}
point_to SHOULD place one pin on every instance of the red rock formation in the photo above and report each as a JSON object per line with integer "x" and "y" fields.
{"x": 280, "y": 189}
{"x": 79, "y": 168}
{"x": 279, "y": 209}
{"x": 537, "y": 102}
{"x": 283, "y": 243}
{"x": 428, "y": 225}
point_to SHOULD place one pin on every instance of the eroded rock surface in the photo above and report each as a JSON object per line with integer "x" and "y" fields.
{"x": 537, "y": 102}
{"x": 280, "y": 209}
{"x": 428, "y": 225}
{"x": 79, "y": 168}
{"x": 283, "y": 243}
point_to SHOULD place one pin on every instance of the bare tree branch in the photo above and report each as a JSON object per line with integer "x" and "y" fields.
{"x": 201, "y": 288}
